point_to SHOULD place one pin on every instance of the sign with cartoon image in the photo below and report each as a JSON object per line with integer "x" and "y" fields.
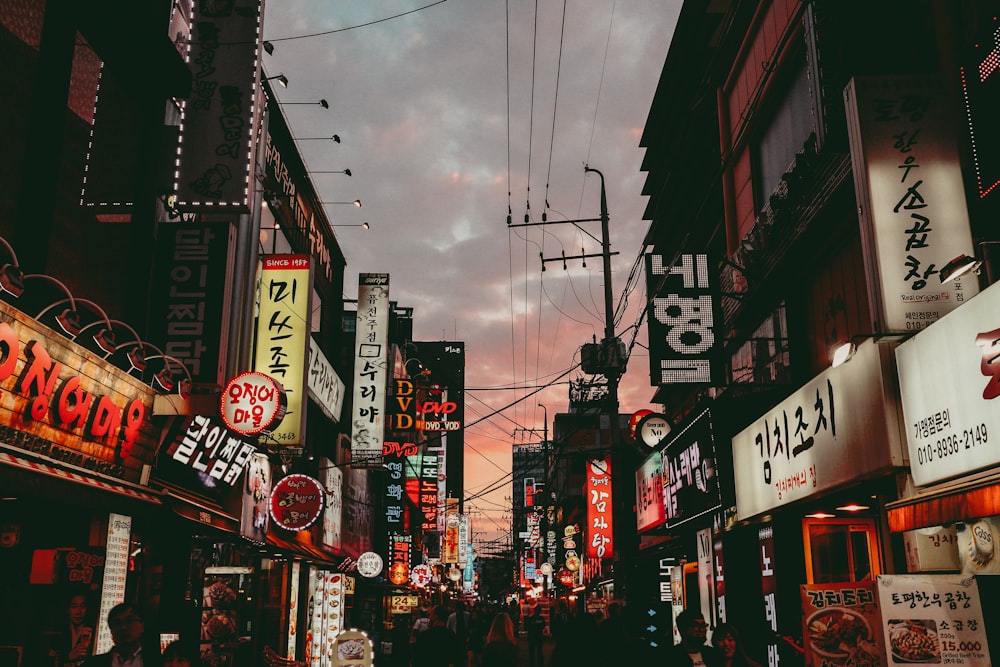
{"x": 353, "y": 649}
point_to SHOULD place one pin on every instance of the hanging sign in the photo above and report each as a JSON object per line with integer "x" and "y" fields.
{"x": 296, "y": 502}
{"x": 252, "y": 403}
{"x": 420, "y": 575}
{"x": 369, "y": 564}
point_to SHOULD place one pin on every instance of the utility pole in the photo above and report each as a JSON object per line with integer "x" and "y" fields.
{"x": 608, "y": 360}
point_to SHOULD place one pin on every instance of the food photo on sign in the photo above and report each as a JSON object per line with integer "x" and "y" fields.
{"x": 841, "y": 625}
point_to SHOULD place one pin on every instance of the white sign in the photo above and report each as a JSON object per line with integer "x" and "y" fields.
{"x": 115, "y": 575}
{"x": 333, "y": 482}
{"x": 371, "y": 358}
{"x": 949, "y": 382}
{"x": 325, "y": 386}
{"x": 420, "y": 575}
{"x": 649, "y": 508}
{"x": 911, "y": 198}
{"x": 932, "y": 619}
{"x": 836, "y": 428}
{"x": 251, "y": 403}
{"x": 369, "y": 564}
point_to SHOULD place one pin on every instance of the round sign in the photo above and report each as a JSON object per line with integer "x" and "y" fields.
{"x": 633, "y": 421}
{"x": 399, "y": 573}
{"x": 652, "y": 429}
{"x": 369, "y": 564}
{"x": 420, "y": 575}
{"x": 573, "y": 563}
{"x": 252, "y": 403}
{"x": 454, "y": 574}
{"x": 296, "y": 502}
{"x": 565, "y": 577}
{"x": 546, "y": 568}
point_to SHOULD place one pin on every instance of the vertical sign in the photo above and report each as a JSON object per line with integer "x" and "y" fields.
{"x": 682, "y": 315}
{"x": 769, "y": 586}
{"x": 598, "y": 498}
{"x": 371, "y": 355}
{"x": 705, "y": 572}
{"x": 981, "y": 83}
{"x": 190, "y": 297}
{"x": 314, "y": 616}
{"x": 333, "y": 614}
{"x": 283, "y": 338}
{"x": 451, "y": 522}
{"x": 649, "y": 509}
{"x": 394, "y": 458}
{"x": 911, "y": 198}
{"x": 720, "y": 578}
{"x": 219, "y": 120}
{"x": 293, "y": 611}
{"x": 256, "y": 492}
{"x": 463, "y": 540}
{"x": 115, "y": 574}
{"x": 333, "y": 482}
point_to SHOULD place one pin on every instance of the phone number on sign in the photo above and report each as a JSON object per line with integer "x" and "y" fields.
{"x": 952, "y": 444}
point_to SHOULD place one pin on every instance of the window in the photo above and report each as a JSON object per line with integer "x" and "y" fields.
{"x": 840, "y": 550}
{"x": 785, "y": 134}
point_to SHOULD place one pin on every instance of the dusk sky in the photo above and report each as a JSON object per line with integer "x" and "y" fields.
{"x": 447, "y": 115}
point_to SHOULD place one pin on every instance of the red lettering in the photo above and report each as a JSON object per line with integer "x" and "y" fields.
{"x": 106, "y": 419}
{"x": 135, "y": 413}
{"x": 9, "y": 347}
{"x": 39, "y": 379}
{"x": 990, "y": 364}
{"x": 72, "y": 404}
{"x": 436, "y": 408}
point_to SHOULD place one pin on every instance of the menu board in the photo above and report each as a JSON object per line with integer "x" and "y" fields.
{"x": 841, "y": 625}
{"x": 115, "y": 574}
{"x": 220, "y": 612}
{"x": 932, "y": 619}
{"x": 353, "y": 649}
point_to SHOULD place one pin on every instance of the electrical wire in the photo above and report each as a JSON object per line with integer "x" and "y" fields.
{"x": 555, "y": 107}
{"x": 354, "y": 27}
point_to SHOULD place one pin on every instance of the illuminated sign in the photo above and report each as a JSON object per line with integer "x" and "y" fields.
{"x": 211, "y": 449}
{"x": 981, "y": 85}
{"x": 690, "y": 478}
{"x": 256, "y": 498}
{"x": 369, "y": 564}
{"x": 251, "y": 403}
{"x": 910, "y": 196}
{"x": 296, "y": 502}
{"x": 649, "y": 508}
{"x": 371, "y": 354}
{"x": 283, "y": 338}
{"x": 683, "y": 312}
{"x": 54, "y": 398}
{"x": 597, "y": 492}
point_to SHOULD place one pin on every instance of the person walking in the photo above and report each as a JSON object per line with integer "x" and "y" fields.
{"x": 129, "y": 650}
{"x": 726, "y": 638}
{"x": 693, "y": 651}
{"x": 436, "y": 646}
{"x": 500, "y": 649}
{"x": 535, "y": 627}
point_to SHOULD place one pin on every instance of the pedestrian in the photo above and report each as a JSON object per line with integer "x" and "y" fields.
{"x": 178, "y": 654}
{"x": 420, "y": 624}
{"x": 514, "y": 612}
{"x": 458, "y": 622}
{"x": 559, "y": 621}
{"x": 574, "y": 646}
{"x": 726, "y": 638}
{"x": 500, "y": 649}
{"x": 436, "y": 646}
{"x": 73, "y": 645}
{"x": 693, "y": 650}
{"x": 127, "y": 635}
{"x": 535, "y": 627}
{"x": 611, "y": 635}
{"x": 478, "y": 627}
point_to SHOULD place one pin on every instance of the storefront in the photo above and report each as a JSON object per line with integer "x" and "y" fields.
{"x": 811, "y": 474}
{"x": 949, "y": 515}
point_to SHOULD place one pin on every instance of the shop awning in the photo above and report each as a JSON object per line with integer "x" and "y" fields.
{"x": 957, "y": 501}
{"x": 200, "y": 511}
{"x": 120, "y": 487}
{"x": 301, "y": 549}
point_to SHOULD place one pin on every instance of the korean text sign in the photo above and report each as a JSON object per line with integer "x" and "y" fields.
{"x": 933, "y": 618}
{"x": 838, "y": 426}
{"x": 949, "y": 381}
{"x": 690, "y": 479}
{"x": 597, "y": 490}
{"x": 283, "y": 338}
{"x": 370, "y": 369}
{"x": 841, "y": 624}
{"x": 911, "y": 197}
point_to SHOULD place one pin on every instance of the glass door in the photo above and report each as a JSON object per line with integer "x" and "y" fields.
{"x": 840, "y": 550}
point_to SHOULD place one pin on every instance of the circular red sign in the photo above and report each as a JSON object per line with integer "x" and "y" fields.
{"x": 634, "y": 420}
{"x": 296, "y": 502}
{"x": 252, "y": 403}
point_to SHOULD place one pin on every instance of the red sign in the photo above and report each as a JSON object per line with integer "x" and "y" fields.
{"x": 252, "y": 403}
{"x": 598, "y": 498}
{"x": 634, "y": 420}
{"x": 296, "y": 502}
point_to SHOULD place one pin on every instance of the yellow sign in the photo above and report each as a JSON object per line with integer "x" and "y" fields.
{"x": 403, "y": 604}
{"x": 283, "y": 339}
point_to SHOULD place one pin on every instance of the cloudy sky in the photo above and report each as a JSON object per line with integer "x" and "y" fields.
{"x": 450, "y": 112}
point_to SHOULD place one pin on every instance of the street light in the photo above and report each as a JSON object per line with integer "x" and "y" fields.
{"x": 356, "y": 202}
{"x": 281, "y": 78}
{"x": 342, "y": 171}
{"x": 323, "y": 103}
{"x": 363, "y": 225}
{"x": 335, "y": 137}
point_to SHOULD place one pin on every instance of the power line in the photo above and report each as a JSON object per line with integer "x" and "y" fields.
{"x": 353, "y": 27}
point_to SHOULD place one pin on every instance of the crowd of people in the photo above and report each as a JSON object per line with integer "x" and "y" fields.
{"x": 486, "y": 635}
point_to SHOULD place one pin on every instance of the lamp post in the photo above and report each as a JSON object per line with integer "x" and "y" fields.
{"x": 322, "y": 102}
{"x": 280, "y": 78}
{"x": 334, "y": 137}
{"x": 346, "y": 172}
{"x": 356, "y": 202}
{"x": 363, "y": 225}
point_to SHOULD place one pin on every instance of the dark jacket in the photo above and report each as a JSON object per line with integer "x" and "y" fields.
{"x": 678, "y": 656}
{"x": 150, "y": 658}
{"x": 499, "y": 654}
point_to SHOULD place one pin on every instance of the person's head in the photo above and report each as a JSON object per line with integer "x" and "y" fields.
{"x": 692, "y": 627}
{"x": 537, "y": 611}
{"x": 78, "y": 609}
{"x": 726, "y": 638}
{"x": 178, "y": 655}
{"x": 502, "y": 629}
{"x": 125, "y": 623}
{"x": 439, "y": 616}
{"x": 614, "y": 610}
